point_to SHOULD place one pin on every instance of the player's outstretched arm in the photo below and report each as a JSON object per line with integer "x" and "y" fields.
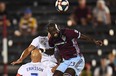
{"x": 18, "y": 75}
{"x": 97, "y": 42}
{"x": 24, "y": 54}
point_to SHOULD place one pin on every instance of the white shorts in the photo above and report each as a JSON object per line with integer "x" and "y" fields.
{"x": 76, "y": 63}
{"x": 49, "y": 61}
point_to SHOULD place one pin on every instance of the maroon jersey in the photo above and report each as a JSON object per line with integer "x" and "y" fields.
{"x": 66, "y": 43}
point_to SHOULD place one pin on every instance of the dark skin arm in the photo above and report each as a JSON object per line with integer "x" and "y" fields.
{"x": 24, "y": 54}
{"x": 97, "y": 42}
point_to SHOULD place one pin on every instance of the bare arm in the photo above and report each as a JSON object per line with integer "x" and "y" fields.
{"x": 18, "y": 75}
{"x": 24, "y": 54}
{"x": 97, "y": 42}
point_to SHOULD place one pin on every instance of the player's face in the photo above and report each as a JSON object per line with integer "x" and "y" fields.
{"x": 53, "y": 32}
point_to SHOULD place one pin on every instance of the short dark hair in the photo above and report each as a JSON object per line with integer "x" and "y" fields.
{"x": 52, "y": 26}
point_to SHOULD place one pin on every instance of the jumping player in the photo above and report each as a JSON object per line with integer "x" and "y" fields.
{"x": 33, "y": 68}
{"x": 65, "y": 40}
{"x": 48, "y": 58}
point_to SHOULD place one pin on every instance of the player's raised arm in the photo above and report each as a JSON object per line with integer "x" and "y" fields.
{"x": 18, "y": 75}
{"x": 85, "y": 37}
{"x": 24, "y": 54}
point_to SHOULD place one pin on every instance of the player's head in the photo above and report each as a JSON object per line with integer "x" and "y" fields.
{"x": 36, "y": 55}
{"x": 53, "y": 29}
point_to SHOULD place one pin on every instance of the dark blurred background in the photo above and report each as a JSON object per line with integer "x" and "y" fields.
{"x": 17, "y": 14}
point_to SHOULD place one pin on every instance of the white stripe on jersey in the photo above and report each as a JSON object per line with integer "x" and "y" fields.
{"x": 75, "y": 44}
{"x": 79, "y": 34}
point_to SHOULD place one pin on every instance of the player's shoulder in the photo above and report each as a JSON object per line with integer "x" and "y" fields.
{"x": 36, "y": 38}
{"x": 39, "y": 37}
{"x": 67, "y": 30}
{"x": 25, "y": 65}
{"x": 42, "y": 65}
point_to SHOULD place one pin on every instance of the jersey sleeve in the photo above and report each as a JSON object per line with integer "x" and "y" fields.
{"x": 21, "y": 70}
{"x": 35, "y": 42}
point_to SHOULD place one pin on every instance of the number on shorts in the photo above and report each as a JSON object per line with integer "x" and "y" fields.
{"x": 72, "y": 64}
{"x": 34, "y": 74}
{"x": 78, "y": 63}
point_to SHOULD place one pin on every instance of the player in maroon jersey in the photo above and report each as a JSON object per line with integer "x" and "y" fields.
{"x": 65, "y": 40}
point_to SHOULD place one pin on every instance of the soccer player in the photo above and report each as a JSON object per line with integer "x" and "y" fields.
{"x": 65, "y": 40}
{"x": 33, "y": 68}
{"x": 48, "y": 58}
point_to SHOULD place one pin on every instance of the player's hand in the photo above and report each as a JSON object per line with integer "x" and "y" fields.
{"x": 98, "y": 42}
{"x": 17, "y": 62}
{"x": 54, "y": 68}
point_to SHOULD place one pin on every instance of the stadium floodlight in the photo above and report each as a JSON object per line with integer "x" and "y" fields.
{"x": 14, "y": 21}
{"x": 105, "y": 42}
{"x": 99, "y": 52}
{"x": 93, "y": 62}
{"x": 114, "y": 51}
{"x": 111, "y": 32}
{"x": 35, "y": 4}
{"x": 69, "y": 23}
{"x": 10, "y": 42}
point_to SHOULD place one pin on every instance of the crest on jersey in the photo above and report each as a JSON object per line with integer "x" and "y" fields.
{"x": 43, "y": 41}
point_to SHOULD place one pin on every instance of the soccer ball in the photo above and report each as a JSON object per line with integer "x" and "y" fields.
{"x": 62, "y": 5}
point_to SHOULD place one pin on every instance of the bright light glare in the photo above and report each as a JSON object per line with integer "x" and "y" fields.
{"x": 93, "y": 62}
{"x": 111, "y": 32}
{"x": 69, "y": 23}
{"x": 114, "y": 51}
{"x": 99, "y": 52}
{"x": 10, "y": 42}
{"x": 105, "y": 42}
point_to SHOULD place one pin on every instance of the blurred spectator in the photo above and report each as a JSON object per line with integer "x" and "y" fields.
{"x": 28, "y": 24}
{"x": 111, "y": 2}
{"x": 81, "y": 14}
{"x": 87, "y": 70}
{"x": 103, "y": 69}
{"x": 112, "y": 58}
{"x": 101, "y": 14}
{"x": 3, "y": 14}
